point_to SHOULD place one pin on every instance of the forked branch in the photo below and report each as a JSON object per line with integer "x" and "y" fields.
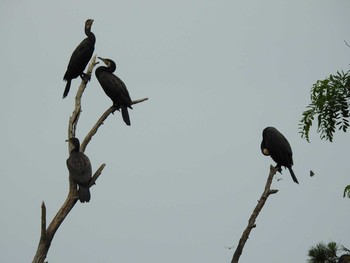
{"x": 47, "y": 235}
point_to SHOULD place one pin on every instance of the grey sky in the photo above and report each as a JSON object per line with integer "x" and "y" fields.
{"x": 181, "y": 182}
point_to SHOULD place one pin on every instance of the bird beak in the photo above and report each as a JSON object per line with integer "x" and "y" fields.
{"x": 103, "y": 59}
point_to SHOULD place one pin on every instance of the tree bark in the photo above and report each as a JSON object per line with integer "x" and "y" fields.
{"x": 251, "y": 222}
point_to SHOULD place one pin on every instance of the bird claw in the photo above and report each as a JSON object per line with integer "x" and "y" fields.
{"x": 85, "y": 77}
{"x": 279, "y": 168}
{"x": 115, "y": 108}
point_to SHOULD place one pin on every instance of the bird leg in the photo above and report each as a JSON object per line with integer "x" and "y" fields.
{"x": 85, "y": 77}
{"x": 279, "y": 168}
{"x": 115, "y": 108}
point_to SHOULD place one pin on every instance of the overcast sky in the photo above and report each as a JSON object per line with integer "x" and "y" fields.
{"x": 182, "y": 180}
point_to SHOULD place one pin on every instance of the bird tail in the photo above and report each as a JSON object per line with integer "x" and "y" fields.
{"x": 293, "y": 175}
{"x": 66, "y": 90}
{"x": 84, "y": 194}
{"x": 125, "y": 115}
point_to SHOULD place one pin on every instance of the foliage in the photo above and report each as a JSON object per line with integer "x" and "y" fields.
{"x": 327, "y": 253}
{"x": 330, "y": 104}
{"x": 322, "y": 253}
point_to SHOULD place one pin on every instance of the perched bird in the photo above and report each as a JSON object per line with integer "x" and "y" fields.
{"x": 114, "y": 87}
{"x": 277, "y": 146}
{"x": 80, "y": 57}
{"x": 79, "y": 168}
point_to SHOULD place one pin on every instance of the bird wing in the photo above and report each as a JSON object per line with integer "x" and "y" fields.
{"x": 79, "y": 167}
{"x": 114, "y": 88}
{"x": 80, "y": 57}
{"x": 124, "y": 93}
{"x": 278, "y": 146}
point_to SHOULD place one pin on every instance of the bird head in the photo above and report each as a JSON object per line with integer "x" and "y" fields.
{"x": 75, "y": 143}
{"x": 107, "y": 61}
{"x": 265, "y": 152}
{"x": 88, "y": 24}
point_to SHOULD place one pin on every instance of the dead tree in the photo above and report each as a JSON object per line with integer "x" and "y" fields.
{"x": 251, "y": 222}
{"x": 48, "y": 233}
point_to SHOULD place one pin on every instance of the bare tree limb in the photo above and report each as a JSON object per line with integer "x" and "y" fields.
{"x": 47, "y": 235}
{"x": 251, "y": 222}
{"x": 73, "y": 120}
{"x": 138, "y": 101}
{"x": 100, "y": 121}
{"x": 96, "y": 175}
{"x": 43, "y": 220}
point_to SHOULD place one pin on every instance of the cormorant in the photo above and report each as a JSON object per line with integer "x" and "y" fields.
{"x": 277, "y": 146}
{"x": 114, "y": 87}
{"x": 80, "y": 57}
{"x": 79, "y": 168}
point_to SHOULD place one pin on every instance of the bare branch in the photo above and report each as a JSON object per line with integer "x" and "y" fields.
{"x": 138, "y": 101}
{"x": 94, "y": 129}
{"x": 100, "y": 121}
{"x": 47, "y": 235}
{"x": 73, "y": 120}
{"x": 256, "y": 211}
{"x": 43, "y": 220}
{"x": 96, "y": 175}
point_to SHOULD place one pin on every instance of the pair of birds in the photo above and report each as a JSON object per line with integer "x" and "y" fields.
{"x": 113, "y": 86}
{"x": 78, "y": 163}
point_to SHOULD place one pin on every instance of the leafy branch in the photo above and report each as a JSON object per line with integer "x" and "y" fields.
{"x": 330, "y": 105}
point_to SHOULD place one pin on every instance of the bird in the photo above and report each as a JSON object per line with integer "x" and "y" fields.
{"x": 80, "y": 58}
{"x": 274, "y": 144}
{"x": 114, "y": 88}
{"x": 79, "y": 168}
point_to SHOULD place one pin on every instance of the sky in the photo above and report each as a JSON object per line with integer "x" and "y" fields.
{"x": 181, "y": 182}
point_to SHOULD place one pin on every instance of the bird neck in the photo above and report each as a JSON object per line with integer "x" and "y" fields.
{"x": 106, "y": 69}
{"x": 90, "y": 35}
{"x": 75, "y": 149}
{"x": 111, "y": 68}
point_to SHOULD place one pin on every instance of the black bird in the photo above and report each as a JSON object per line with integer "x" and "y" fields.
{"x": 80, "y": 57}
{"x": 114, "y": 87}
{"x": 79, "y": 168}
{"x": 277, "y": 146}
